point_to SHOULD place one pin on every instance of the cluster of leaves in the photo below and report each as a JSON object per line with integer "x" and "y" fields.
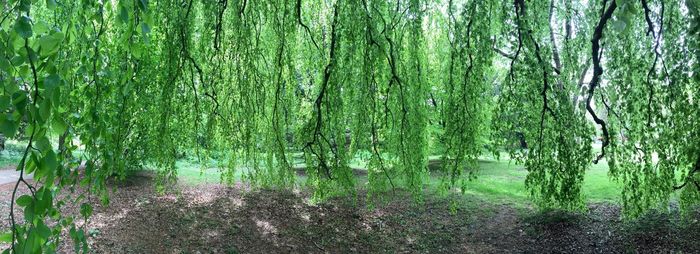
{"x": 62, "y": 92}
{"x": 625, "y": 66}
{"x": 651, "y": 104}
{"x": 539, "y": 101}
{"x": 267, "y": 86}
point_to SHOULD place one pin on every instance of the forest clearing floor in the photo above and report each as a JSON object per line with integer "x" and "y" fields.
{"x": 213, "y": 218}
{"x": 9, "y": 175}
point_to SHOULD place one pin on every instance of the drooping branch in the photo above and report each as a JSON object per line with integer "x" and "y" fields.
{"x": 219, "y": 23}
{"x": 301, "y": 23}
{"x": 184, "y": 51}
{"x": 22, "y": 164}
{"x": 503, "y": 53}
{"x": 647, "y": 17}
{"x": 691, "y": 176}
{"x": 520, "y": 11}
{"x": 657, "y": 55}
{"x": 318, "y": 103}
{"x": 519, "y": 6}
{"x": 597, "y": 73}
{"x": 279, "y": 86}
{"x": 372, "y": 83}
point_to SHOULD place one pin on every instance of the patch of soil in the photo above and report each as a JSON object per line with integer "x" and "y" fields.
{"x": 8, "y": 167}
{"x": 220, "y": 219}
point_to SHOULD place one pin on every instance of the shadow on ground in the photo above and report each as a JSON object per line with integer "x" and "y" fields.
{"x": 218, "y": 219}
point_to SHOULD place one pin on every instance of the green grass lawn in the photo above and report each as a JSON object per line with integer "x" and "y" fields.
{"x": 499, "y": 181}
{"x": 504, "y": 182}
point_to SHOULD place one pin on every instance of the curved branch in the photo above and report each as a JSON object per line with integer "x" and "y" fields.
{"x": 301, "y": 23}
{"x": 597, "y": 73}
{"x": 690, "y": 178}
{"x": 503, "y": 53}
{"x": 647, "y": 17}
{"x": 319, "y": 99}
{"x": 219, "y": 25}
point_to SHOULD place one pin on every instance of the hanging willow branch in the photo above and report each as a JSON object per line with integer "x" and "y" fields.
{"x": 597, "y": 73}
{"x": 318, "y": 138}
{"x": 301, "y": 23}
{"x": 691, "y": 176}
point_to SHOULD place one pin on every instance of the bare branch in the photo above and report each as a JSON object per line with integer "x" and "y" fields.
{"x": 647, "y": 17}
{"x": 503, "y": 53}
{"x": 597, "y": 73}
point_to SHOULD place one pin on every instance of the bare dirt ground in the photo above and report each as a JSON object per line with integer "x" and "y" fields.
{"x": 219, "y": 219}
{"x": 9, "y": 175}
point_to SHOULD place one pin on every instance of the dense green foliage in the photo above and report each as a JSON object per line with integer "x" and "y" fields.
{"x": 251, "y": 84}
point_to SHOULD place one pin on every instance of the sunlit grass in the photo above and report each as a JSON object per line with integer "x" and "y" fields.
{"x": 498, "y": 181}
{"x": 193, "y": 172}
{"x": 597, "y": 185}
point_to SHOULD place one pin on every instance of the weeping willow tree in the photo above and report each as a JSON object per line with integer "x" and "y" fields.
{"x": 536, "y": 101}
{"x": 260, "y": 88}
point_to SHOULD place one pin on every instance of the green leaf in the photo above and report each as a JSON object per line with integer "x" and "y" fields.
{"x": 59, "y": 126}
{"x": 25, "y": 5}
{"x": 17, "y": 43}
{"x": 42, "y": 144}
{"x": 49, "y": 43}
{"x": 85, "y": 210}
{"x": 51, "y": 4}
{"x": 29, "y": 213}
{"x": 123, "y": 13}
{"x": 19, "y": 99}
{"x": 143, "y": 4}
{"x": 6, "y": 237}
{"x": 51, "y": 82}
{"x": 145, "y": 30}
{"x": 43, "y": 231}
{"x": 5, "y": 65}
{"x": 8, "y": 127}
{"x": 49, "y": 162}
{"x": 32, "y": 244}
{"x": 31, "y": 54}
{"x": 619, "y": 26}
{"x": 31, "y": 164}
{"x": 40, "y": 27}
{"x": 18, "y": 60}
{"x": 24, "y": 200}
{"x": 4, "y": 102}
{"x": 44, "y": 202}
{"x": 104, "y": 198}
{"x": 23, "y": 27}
{"x": 73, "y": 234}
{"x": 45, "y": 109}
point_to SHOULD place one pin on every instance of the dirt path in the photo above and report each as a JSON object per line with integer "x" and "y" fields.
{"x": 10, "y": 176}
